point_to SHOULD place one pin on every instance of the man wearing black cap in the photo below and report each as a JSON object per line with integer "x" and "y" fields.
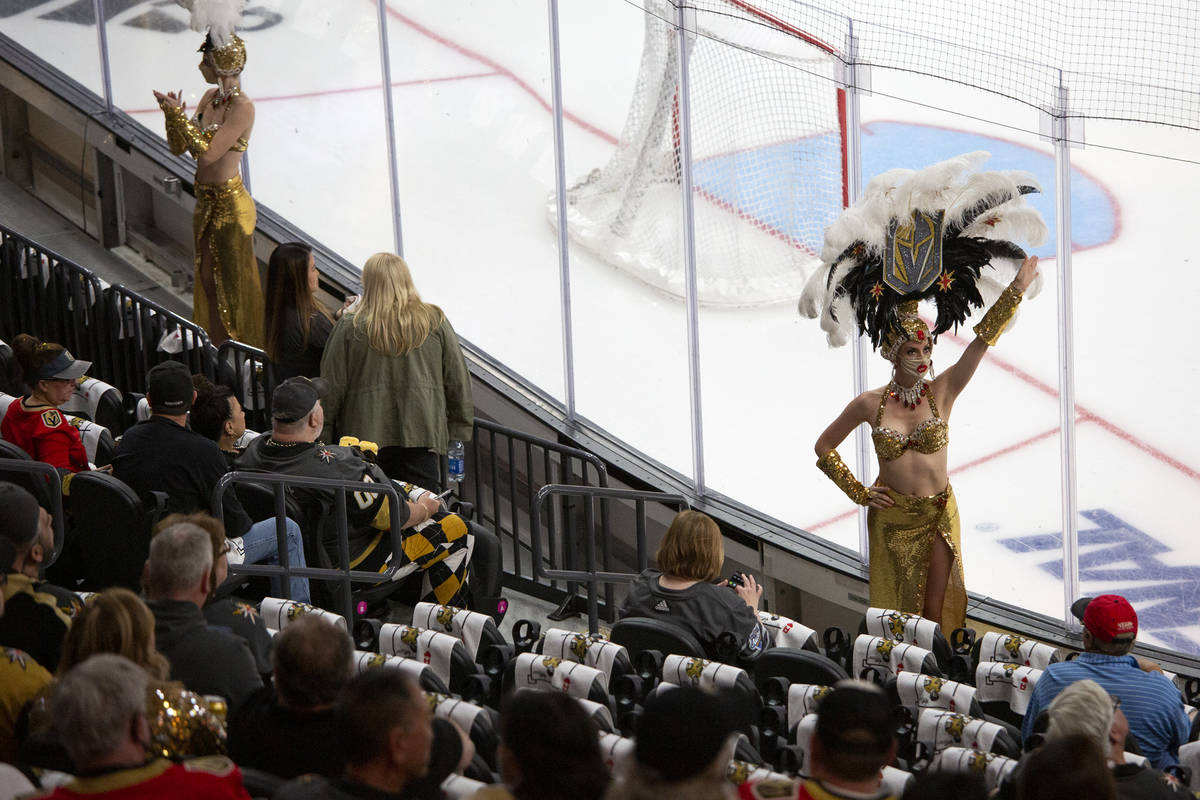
{"x": 442, "y": 548}
{"x": 1149, "y": 700}
{"x": 854, "y": 741}
{"x": 163, "y": 454}
{"x": 37, "y": 614}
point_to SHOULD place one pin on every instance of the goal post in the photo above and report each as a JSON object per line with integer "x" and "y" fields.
{"x": 768, "y": 132}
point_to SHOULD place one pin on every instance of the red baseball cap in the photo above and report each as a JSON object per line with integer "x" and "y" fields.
{"x": 1109, "y": 617}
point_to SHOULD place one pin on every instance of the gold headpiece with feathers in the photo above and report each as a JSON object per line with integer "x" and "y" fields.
{"x": 921, "y": 235}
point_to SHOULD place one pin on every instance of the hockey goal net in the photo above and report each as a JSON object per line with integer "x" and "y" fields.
{"x": 768, "y": 158}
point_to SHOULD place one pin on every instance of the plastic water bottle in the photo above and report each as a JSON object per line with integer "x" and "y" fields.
{"x": 456, "y": 462}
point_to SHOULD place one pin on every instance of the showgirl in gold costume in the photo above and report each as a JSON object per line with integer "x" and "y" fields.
{"x": 918, "y": 236}
{"x": 228, "y": 299}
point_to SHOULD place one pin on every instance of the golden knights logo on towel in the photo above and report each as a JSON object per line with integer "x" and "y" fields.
{"x": 913, "y": 252}
{"x": 918, "y": 691}
{"x": 547, "y": 672}
{"x": 992, "y": 767}
{"x": 1005, "y": 647}
{"x": 591, "y": 649}
{"x": 688, "y": 671}
{"x": 802, "y": 701}
{"x": 1011, "y": 683}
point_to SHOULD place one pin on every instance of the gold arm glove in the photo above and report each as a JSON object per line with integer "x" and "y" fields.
{"x": 182, "y": 133}
{"x": 999, "y": 315}
{"x": 833, "y": 466}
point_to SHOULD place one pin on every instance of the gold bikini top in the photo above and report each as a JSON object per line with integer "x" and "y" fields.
{"x": 928, "y": 437}
{"x": 240, "y": 146}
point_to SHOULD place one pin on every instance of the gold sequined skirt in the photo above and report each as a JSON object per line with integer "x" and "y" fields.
{"x": 902, "y": 538}
{"x": 226, "y": 215}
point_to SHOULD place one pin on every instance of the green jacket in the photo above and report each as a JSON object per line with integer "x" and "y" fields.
{"x": 419, "y": 399}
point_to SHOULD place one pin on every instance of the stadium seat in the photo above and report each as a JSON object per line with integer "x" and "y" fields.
{"x": 636, "y": 634}
{"x": 1004, "y": 689}
{"x": 690, "y": 671}
{"x": 424, "y": 676}
{"x": 532, "y": 671}
{"x": 964, "y": 760}
{"x": 477, "y": 631}
{"x": 99, "y": 402}
{"x": 108, "y": 532}
{"x": 798, "y": 666}
{"x": 445, "y": 654}
{"x": 916, "y": 691}
{"x": 1006, "y": 648}
{"x": 97, "y": 440}
{"x": 880, "y": 657}
{"x": 907, "y": 628}
{"x": 938, "y": 729}
{"x": 593, "y": 650}
{"x": 786, "y": 632}
{"x": 479, "y": 723}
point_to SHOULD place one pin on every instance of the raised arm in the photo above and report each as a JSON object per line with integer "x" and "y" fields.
{"x": 988, "y": 331}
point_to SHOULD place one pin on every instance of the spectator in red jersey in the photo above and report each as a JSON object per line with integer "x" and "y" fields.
{"x": 100, "y": 706}
{"x": 34, "y": 422}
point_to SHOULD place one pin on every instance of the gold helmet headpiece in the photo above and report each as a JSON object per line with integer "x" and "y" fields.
{"x": 218, "y": 19}
{"x": 910, "y": 323}
{"x": 944, "y": 234}
{"x": 227, "y": 60}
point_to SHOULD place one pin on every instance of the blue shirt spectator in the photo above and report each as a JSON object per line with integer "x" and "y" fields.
{"x": 1151, "y": 702}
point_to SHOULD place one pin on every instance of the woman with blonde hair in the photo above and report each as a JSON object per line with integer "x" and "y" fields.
{"x": 117, "y": 621}
{"x": 114, "y": 621}
{"x": 397, "y": 375}
{"x": 681, "y": 591}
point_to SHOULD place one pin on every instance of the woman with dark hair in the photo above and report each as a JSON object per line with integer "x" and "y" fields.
{"x": 549, "y": 750}
{"x": 34, "y": 422}
{"x": 681, "y": 591}
{"x": 296, "y": 325}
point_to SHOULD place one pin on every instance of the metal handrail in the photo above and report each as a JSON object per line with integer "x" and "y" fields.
{"x": 592, "y": 576}
{"x": 344, "y": 576}
{"x": 134, "y": 317}
{"x": 538, "y": 454}
{"x": 54, "y": 487}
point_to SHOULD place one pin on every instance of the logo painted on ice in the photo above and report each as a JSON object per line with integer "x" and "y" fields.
{"x": 163, "y": 16}
{"x": 1114, "y": 552}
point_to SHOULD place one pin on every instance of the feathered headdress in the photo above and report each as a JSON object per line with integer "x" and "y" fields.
{"x": 219, "y": 19}
{"x": 924, "y": 235}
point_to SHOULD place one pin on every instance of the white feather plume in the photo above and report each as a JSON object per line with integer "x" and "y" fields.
{"x": 1013, "y": 220}
{"x": 219, "y": 18}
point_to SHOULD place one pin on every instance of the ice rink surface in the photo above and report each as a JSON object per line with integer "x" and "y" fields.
{"x": 471, "y": 89}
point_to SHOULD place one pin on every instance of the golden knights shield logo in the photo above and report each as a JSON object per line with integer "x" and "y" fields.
{"x": 933, "y": 687}
{"x": 913, "y": 252}
{"x": 885, "y": 647}
{"x": 978, "y": 762}
{"x": 1013, "y": 645}
{"x": 954, "y": 725}
{"x": 445, "y": 617}
{"x": 695, "y": 668}
{"x": 579, "y": 646}
{"x": 896, "y": 623}
{"x": 408, "y": 635}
